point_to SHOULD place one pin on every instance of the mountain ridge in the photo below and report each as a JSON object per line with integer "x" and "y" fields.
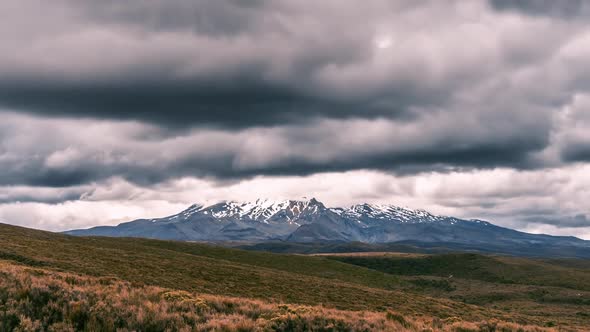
{"x": 311, "y": 221}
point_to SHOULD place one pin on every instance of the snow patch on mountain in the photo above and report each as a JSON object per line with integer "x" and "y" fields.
{"x": 262, "y": 210}
{"x": 389, "y": 212}
{"x": 290, "y": 211}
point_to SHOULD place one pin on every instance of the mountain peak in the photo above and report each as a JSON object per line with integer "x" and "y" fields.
{"x": 261, "y": 209}
{"x": 314, "y": 201}
{"x": 390, "y": 212}
{"x": 288, "y": 210}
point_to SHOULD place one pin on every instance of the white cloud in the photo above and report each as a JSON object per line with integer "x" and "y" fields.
{"x": 506, "y": 197}
{"x": 76, "y": 214}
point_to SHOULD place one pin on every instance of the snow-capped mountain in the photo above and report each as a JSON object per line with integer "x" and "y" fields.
{"x": 262, "y": 210}
{"x": 309, "y": 220}
{"x": 267, "y": 211}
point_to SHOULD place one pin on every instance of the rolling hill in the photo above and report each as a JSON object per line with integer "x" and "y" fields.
{"x": 504, "y": 290}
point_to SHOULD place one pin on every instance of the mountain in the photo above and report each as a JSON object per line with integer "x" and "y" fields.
{"x": 305, "y": 221}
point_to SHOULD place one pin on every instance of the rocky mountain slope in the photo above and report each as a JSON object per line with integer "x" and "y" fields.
{"x": 312, "y": 221}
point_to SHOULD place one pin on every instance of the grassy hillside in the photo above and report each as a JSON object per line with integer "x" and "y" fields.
{"x": 497, "y": 269}
{"x": 284, "y": 247}
{"x": 522, "y": 250}
{"x": 222, "y": 271}
{"x": 558, "y": 290}
{"x": 34, "y": 299}
{"x": 405, "y": 285}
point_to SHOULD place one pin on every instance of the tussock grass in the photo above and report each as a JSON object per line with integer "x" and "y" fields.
{"x": 32, "y": 299}
{"x": 222, "y": 271}
{"x": 187, "y": 273}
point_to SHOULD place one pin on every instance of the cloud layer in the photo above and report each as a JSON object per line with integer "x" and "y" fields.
{"x": 226, "y": 92}
{"x": 537, "y": 201}
{"x": 227, "y": 64}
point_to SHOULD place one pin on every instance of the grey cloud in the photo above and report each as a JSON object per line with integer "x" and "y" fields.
{"x": 222, "y": 63}
{"x": 579, "y": 151}
{"x": 516, "y": 199}
{"x": 577, "y": 221}
{"x": 64, "y": 153}
{"x": 203, "y": 17}
{"x": 562, "y": 8}
{"x": 244, "y": 77}
{"x": 39, "y": 195}
{"x": 284, "y": 89}
{"x": 287, "y": 67}
{"x": 571, "y": 137}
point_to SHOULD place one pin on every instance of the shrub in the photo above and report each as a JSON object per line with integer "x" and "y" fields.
{"x": 42, "y": 300}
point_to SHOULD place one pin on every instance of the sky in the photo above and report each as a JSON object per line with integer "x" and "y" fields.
{"x": 116, "y": 110}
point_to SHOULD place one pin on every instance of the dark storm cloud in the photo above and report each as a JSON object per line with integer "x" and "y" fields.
{"x": 179, "y": 104}
{"x": 577, "y": 221}
{"x": 59, "y": 153}
{"x": 578, "y": 151}
{"x": 220, "y": 63}
{"x": 29, "y": 195}
{"x": 444, "y": 156}
{"x": 238, "y": 102}
{"x": 260, "y": 63}
{"x": 277, "y": 88}
{"x": 562, "y": 8}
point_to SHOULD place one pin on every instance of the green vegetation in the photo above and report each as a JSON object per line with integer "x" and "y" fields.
{"x": 336, "y": 247}
{"x": 558, "y": 290}
{"x": 496, "y": 269}
{"x": 402, "y": 289}
{"x": 32, "y": 299}
{"x": 444, "y": 285}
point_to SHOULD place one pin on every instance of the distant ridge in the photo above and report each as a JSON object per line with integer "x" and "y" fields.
{"x": 311, "y": 221}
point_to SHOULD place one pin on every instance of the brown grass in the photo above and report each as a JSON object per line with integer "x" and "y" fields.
{"x": 34, "y": 299}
